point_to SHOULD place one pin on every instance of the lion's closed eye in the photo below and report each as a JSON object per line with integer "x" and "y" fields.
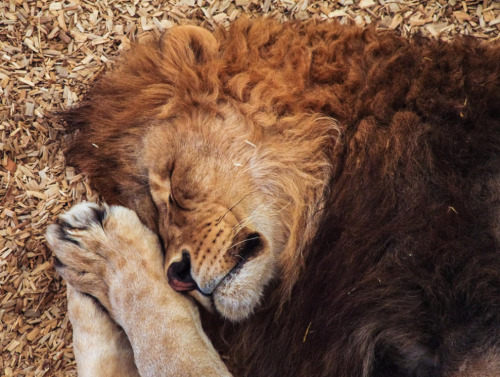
{"x": 172, "y": 200}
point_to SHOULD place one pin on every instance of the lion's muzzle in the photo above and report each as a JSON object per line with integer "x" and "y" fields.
{"x": 180, "y": 276}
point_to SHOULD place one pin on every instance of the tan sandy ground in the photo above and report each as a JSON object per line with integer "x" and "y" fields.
{"x": 50, "y": 52}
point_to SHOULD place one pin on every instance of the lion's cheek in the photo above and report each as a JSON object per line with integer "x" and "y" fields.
{"x": 237, "y": 296}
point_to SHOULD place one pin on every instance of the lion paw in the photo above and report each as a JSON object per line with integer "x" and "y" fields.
{"x": 100, "y": 346}
{"x": 98, "y": 247}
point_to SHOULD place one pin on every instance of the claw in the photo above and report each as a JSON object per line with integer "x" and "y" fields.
{"x": 66, "y": 236}
{"x": 83, "y": 216}
{"x": 57, "y": 262}
{"x": 100, "y": 214}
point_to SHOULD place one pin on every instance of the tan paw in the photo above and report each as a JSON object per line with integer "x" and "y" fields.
{"x": 100, "y": 247}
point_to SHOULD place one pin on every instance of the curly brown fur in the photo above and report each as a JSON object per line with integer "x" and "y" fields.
{"x": 390, "y": 263}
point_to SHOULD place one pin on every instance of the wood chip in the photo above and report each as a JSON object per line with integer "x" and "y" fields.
{"x": 363, "y": 4}
{"x": 11, "y": 165}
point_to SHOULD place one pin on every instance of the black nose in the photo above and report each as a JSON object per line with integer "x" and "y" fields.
{"x": 179, "y": 274}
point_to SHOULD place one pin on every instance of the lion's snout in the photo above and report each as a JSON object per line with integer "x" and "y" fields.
{"x": 192, "y": 273}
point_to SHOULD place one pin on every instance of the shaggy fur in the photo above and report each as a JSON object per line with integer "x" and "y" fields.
{"x": 395, "y": 271}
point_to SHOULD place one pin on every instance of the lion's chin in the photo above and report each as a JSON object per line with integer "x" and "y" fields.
{"x": 237, "y": 296}
{"x": 236, "y": 304}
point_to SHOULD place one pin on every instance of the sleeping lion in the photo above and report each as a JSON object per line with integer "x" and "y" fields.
{"x": 302, "y": 199}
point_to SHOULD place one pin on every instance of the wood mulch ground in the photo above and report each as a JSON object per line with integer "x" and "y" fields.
{"x": 50, "y": 53}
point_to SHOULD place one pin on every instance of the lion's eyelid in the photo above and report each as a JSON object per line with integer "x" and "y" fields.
{"x": 174, "y": 201}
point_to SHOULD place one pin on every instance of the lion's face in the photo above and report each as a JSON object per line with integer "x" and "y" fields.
{"x": 221, "y": 237}
{"x": 236, "y": 201}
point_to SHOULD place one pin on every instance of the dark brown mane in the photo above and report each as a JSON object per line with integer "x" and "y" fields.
{"x": 403, "y": 275}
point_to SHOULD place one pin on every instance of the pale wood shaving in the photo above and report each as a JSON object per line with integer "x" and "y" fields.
{"x": 50, "y": 52}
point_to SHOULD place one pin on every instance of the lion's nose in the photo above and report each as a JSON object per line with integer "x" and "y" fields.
{"x": 179, "y": 274}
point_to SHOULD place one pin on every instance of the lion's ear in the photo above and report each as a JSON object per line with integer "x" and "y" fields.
{"x": 189, "y": 45}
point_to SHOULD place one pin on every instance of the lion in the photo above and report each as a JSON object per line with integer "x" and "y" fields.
{"x": 327, "y": 196}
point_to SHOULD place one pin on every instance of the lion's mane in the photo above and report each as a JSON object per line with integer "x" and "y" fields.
{"x": 401, "y": 273}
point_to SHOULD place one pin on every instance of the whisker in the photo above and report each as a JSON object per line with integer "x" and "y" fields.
{"x": 241, "y": 225}
{"x": 244, "y": 221}
{"x": 229, "y": 210}
{"x": 286, "y": 205}
{"x": 245, "y": 240}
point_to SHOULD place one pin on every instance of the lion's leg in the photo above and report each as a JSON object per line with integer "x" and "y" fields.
{"x": 101, "y": 348}
{"x": 107, "y": 253}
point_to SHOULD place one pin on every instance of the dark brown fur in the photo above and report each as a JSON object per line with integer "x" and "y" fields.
{"x": 403, "y": 277}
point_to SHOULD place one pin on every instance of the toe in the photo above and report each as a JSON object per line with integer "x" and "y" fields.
{"x": 83, "y": 216}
